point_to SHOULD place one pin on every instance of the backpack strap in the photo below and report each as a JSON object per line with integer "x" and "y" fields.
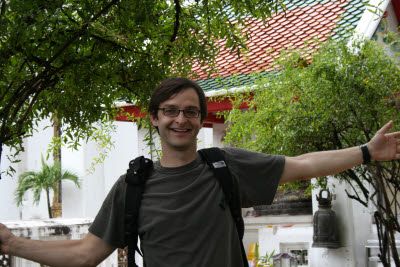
{"x": 135, "y": 179}
{"x": 216, "y": 160}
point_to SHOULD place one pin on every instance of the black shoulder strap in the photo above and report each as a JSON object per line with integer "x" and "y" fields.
{"x": 216, "y": 160}
{"x": 135, "y": 178}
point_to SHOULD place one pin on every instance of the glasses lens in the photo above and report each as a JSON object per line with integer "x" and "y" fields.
{"x": 191, "y": 113}
{"x": 172, "y": 112}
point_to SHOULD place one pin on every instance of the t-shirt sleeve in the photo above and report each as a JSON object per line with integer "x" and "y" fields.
{"x": 258, "y": 175}
{"x": 109, "y": 222}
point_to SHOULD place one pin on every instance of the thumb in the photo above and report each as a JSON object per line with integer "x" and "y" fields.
{"x": 386, "y": 127}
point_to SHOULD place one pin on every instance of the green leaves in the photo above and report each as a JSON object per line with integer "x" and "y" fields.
{"x": 339, "y": 100}
{"x": 79, "y": 57}
{"x": 46, "y": 179}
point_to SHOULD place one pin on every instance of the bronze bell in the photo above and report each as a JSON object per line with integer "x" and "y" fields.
{"x": 325, "y": 227}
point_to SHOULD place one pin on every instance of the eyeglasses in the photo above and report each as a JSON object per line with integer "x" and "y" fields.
{"x": 174, "y": 112}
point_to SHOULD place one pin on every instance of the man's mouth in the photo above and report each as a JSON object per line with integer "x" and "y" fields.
{"x": 180, "y": 130}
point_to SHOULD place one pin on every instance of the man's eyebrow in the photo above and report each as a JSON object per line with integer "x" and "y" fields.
{"x": 188, "y": 107}
{"x": 170, "y": 106}
{"x": 192, "y": 107}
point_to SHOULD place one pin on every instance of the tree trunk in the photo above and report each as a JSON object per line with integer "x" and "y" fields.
{"x": 48, "y": 203}
{"x": 56, "y": 206}
{"x": 1, "y": 150}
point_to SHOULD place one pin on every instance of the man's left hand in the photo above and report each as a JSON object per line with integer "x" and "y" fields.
{"x": 385, "y": 146}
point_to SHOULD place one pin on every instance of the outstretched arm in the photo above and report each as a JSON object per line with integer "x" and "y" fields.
{"x": 89, "y": 251}
{"x": 383, "y": 146}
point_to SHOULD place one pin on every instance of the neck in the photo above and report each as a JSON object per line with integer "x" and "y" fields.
{"x": 178, "y": 158}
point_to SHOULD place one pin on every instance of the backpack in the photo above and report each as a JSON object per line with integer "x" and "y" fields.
{"x": 136, "y": 178}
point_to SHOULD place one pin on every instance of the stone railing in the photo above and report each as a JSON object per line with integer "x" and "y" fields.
{"x": 50, "y": 230}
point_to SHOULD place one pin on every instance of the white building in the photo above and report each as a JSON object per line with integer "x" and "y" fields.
{"x": 282, "y": 233}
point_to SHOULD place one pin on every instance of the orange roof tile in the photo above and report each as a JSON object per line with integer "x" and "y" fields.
{"x": 278, "y": 33}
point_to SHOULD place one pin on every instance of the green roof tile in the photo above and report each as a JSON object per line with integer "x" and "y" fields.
{"x": 349, "y": 20}
{"x": 350, "y": 8}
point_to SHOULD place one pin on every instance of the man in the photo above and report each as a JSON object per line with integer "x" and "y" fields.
{"x": 181, "y": 221}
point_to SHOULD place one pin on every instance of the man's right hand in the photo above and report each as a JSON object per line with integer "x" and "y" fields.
{"x": 89, "y": 251}
{"x": 5, "y": 238}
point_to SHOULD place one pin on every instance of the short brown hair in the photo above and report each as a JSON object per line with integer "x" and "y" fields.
{"x": 173, "y": 86}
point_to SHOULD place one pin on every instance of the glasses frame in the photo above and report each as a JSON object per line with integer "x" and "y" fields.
{"x": 179, "y": 111}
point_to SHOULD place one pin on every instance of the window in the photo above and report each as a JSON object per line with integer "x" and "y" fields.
{"x": 299, "y": 249}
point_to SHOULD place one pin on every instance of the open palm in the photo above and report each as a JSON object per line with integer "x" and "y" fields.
{"x": 384, "y": 146}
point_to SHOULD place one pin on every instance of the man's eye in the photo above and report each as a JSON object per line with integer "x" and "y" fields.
{"x": 170, "y": 111}
{"x": 191, "y": 112}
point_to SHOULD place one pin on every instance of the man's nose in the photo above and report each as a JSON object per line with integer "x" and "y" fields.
{"x": 181, "y": 117}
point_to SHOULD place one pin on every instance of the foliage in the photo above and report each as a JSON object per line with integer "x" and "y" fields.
{"x": 267, "y": 259}
{"x": 151, "y": 139}
{"x": 261, "y": 261}
{"x": 339, "y": 99}
{"x": 76, "y": 58}
{"x": 46, "y": 179}
{"x": 102, "y": 137}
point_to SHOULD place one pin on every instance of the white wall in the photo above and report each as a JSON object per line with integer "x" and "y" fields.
{"x": 370, "y": 20}
{"x": 219, "y": 134}
{"x": 86, "y": 201}
{"x": 35, "y": 146}
{"x": 278, "y": 237}
{"x": 9, "y": 211}
{"x": 50, "y": 230}
{"x": 205, "y": 138}
{"x": 81, "y": 202}
{"x": 354, "y": 227}
{"x": 271, "y": 232}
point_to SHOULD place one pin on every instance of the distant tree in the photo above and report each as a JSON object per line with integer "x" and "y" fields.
{"x": 76, "y": 58}
{"x": 47, "y": 179}
{"x": 338, "y": 99}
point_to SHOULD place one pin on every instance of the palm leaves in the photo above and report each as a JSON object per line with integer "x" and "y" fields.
{"x": 46, "y": 179}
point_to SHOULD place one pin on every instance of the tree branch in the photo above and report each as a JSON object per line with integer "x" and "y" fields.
{"x": 41, "y": 88}
{"x": 82, "y": 30}
{"x": 363, "y": 128}
{"x": 176, "y": 27}
{"x": 177, "y": 23}
{"x": 2, "y": 11}
{"x": 336, "y": 139}
{"x": 117, "y": 45}
{"x": 364, "y": 203}
{"x": 69, "y": 18}
{"x": 356, "y": 179}
{"x": 33, "y": 86}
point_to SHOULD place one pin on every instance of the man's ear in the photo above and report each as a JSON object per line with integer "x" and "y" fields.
{"x": 154, "y": 120}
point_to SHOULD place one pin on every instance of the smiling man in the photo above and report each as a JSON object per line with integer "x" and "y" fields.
{"x": 178, "y": 119}
{"x": 182, "y": 219}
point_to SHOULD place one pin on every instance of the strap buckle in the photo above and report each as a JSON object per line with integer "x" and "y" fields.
{"x": 136, "y": 174}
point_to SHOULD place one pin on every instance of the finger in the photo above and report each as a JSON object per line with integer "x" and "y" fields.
{"x": 393, "y": 135}
{"x": 386, "y": 127}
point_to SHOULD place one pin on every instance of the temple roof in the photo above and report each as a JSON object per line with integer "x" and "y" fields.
{"x": 303, "y": 21}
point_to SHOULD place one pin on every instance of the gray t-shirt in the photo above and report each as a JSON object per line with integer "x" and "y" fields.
{"x": 182, "y": 221}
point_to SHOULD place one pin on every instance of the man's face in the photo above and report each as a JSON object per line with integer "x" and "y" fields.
{"x": 178, "y": 133}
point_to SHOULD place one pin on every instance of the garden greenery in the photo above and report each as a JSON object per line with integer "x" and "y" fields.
{"x": 77, "y": 58}
{"x": 331, "y": 98}
{"x": 45, "y": 180}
